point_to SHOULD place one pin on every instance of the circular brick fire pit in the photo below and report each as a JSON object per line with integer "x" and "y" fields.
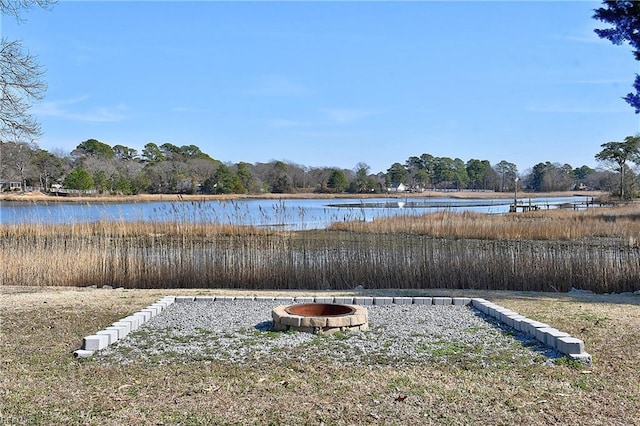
{"x": 324, "y": 318}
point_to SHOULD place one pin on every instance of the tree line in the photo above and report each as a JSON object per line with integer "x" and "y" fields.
{"x": 171, "y": 169}
{"x": 167, "y": 168}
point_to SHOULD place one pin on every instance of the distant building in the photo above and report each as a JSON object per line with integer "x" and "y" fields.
{"x": 6, "y": 185}
{"x": 397, "y": 187}
{"x": 580, "y": 187}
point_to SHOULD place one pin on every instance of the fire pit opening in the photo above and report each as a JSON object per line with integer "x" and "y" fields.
{"x": 326, "y": 318}
{"x": 320, "y": 310}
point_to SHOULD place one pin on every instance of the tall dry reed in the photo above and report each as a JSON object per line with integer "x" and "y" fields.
{"x": 438, "y": 251}
{"x": 557, "y": 224}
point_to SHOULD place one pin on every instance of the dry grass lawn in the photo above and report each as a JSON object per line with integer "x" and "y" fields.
{"x": 41, "y": 382}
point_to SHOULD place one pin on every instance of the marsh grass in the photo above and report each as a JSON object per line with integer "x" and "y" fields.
{"x": 622, "y": 223}
{"x": 542, "y": 251}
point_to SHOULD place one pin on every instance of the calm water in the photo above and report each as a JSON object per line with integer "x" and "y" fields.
{"x": 290, "y": 214}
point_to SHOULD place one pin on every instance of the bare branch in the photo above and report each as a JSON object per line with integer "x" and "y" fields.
{"x": 21, "y": 84}
{"x": 21, "y": 78}
{"x": 16, "y": 7}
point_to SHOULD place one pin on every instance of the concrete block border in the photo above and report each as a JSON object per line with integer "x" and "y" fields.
{"x": 121, "y": 328}
{"x": 562, "y": 342}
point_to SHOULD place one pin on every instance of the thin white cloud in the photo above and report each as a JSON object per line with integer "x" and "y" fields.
{"x": 275, "y": 85}
{"x": 191, "y": 110}
{"x": 73, "y": 109}
{"x": 586, "y": 34}
{"x": 327, "y": 137}
{"x": 585, "y": 38}
{"x": 602, "y": 81}
{"x": 347, "y": 115}
{"x": 281, "y": 123}
{"x": 576, "y": 108}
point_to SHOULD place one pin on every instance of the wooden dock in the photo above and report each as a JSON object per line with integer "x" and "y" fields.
{"x": 514, "y": 208}
{"x": 530, "y": 207}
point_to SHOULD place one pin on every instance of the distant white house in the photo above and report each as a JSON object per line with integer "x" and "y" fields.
{"x": 397, "y": 187}
{"x": 6, "y": 185}
{"x": 580, "y": 187}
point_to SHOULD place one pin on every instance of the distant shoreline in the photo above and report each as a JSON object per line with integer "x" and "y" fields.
{"x": 40, "y": 197}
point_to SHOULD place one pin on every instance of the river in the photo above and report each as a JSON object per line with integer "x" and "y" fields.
{"x": 296, "y": 214}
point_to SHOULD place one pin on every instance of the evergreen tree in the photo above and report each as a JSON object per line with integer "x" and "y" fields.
{"x": 79, "y": 178}
{"x": 619, "y": 153}
{"x": 624, "y": 17}
{"x": 337, "y": 181}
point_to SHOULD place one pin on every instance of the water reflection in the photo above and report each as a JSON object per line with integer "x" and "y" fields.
{"x": 294, "y": 214}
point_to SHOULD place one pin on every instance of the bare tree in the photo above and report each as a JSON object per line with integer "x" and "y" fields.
{"x": 15, "y": 7}
{"x": 21, "y": 79}
{"x": 21, "y": 84}
{"x": 47, "y": 168}
{"x": 16, "y": 160}
{"x": 508, "y": 172}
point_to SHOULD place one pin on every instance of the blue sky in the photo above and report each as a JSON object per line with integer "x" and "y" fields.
{"x": 333, "y": 83}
